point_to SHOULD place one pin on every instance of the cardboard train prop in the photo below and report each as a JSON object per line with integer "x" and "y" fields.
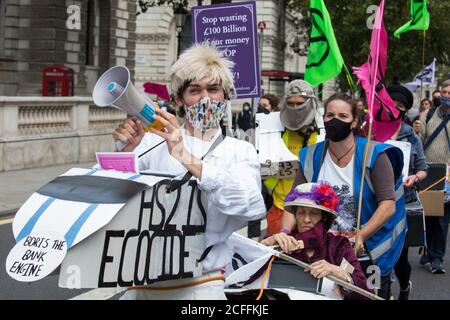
{"x": 107, "y": 229}
{"x": 120, "y": 230}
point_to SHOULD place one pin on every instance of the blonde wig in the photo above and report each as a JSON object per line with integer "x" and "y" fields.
{"x": 201, "y": 61}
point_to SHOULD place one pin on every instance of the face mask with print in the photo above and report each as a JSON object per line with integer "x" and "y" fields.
{"x": 205, "y": 114}
{"x": 445, "y": 101}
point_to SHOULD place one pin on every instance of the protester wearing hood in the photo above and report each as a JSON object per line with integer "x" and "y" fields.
{"x": 418, "y": 167}
{"x": 298, "y": 112}
{"x": 315, "y": 207}
{"x": 435, "y": 134}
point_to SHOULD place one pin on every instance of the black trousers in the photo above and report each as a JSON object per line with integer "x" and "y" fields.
{"x": 403, "y": 269}
{"x": 437, "y": 230}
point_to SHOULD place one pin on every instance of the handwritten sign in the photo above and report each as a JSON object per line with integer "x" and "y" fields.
{"x": 157, "y": 236}
{"x": 232, "y": 28}
{"x": 36, "y": 256}
{"x": 275, "y": 158}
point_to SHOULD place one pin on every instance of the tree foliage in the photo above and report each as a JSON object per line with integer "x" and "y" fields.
{"x": 144, "y": 5}
{"x": 350, "y": 17}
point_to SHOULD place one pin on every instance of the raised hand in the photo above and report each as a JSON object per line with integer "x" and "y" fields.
{"x": 129, "y": 133}
{"x": 171, "y": 133}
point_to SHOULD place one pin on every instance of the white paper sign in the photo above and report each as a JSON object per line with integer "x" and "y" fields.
{"x": 275, "y": 158}
{"x": 36, "y": 256}
{"x": 406, "y": 150}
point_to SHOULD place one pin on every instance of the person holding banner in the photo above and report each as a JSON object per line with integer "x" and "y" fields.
{"x": 418, "y": 168}
{"x": 314, "y": 206}
{"x": 339, "y": 160}
{"x": 227, "y": 170}
{"x": 298, "y": 115}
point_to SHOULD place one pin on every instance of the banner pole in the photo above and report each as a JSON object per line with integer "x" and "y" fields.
{"x": 423, "y": 64}
{"x": 338, "y": 281}
{"x": 369, "y": 135}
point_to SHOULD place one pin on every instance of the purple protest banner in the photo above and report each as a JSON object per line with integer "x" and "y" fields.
{"x": 232, "y": 29}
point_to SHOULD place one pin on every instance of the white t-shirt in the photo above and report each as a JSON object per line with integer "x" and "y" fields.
{"x": 342, "y": 181}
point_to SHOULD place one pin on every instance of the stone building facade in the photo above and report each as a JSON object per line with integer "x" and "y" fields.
{"x": 88, "y": 36}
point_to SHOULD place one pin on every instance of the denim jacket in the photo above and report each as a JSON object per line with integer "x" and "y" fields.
{"x": 417, "y": 161}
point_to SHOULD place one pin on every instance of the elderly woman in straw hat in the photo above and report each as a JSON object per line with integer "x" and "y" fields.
{"x": 315, "y": 207}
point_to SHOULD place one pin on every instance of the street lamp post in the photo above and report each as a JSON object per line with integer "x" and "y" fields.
{"x": 180, "y": 13}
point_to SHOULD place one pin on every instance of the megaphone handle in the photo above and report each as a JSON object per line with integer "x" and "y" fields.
{"x": 120, "y": 145}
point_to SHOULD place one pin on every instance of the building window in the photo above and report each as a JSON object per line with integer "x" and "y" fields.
{"x": 2, "y": 25}
{"x": 104, "y": 34}
{"x": 92, "y": 38}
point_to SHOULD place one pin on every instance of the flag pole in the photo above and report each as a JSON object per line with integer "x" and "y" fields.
{"x": 336, "y": 280}
{"x": 369, "y": 135}
{"x": 423, "y": 64}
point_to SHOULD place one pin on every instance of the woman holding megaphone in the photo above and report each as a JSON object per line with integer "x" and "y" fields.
{"x": 227, "y": 170}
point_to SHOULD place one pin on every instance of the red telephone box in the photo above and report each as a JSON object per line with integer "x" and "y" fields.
{"x": 57, "y": 81}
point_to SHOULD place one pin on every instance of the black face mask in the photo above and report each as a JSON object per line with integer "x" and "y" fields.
{"x": 401, "y": 115}
{"x": 262, "y": 110}
{"x": 337, "y": 130}
{"x": 436, "y": 102}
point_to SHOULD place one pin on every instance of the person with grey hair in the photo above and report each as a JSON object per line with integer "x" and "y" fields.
{"x": 226, "y": 170}
{"x": 299, "y": 109}
{"x": 434, "y": 129}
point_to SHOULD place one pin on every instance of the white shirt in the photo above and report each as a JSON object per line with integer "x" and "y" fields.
{"x": 342, "y": 181}
{"x": 230, "y": 179}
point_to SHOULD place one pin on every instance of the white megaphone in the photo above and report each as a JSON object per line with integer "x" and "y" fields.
{"x": 114, "y": 88}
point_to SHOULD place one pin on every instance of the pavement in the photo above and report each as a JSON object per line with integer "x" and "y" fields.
{"x": 18, "y": 185}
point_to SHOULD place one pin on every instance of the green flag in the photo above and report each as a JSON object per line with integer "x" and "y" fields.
{"x": 420, "y": 18}
{"x": 324, "y": 57}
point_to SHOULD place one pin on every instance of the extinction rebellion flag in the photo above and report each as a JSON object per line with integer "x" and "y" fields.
{"x": 324, "y": 57}
{"x": 420, "y": 18}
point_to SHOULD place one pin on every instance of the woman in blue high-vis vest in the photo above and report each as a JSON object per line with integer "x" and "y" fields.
{"x": 339, "y": 161}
